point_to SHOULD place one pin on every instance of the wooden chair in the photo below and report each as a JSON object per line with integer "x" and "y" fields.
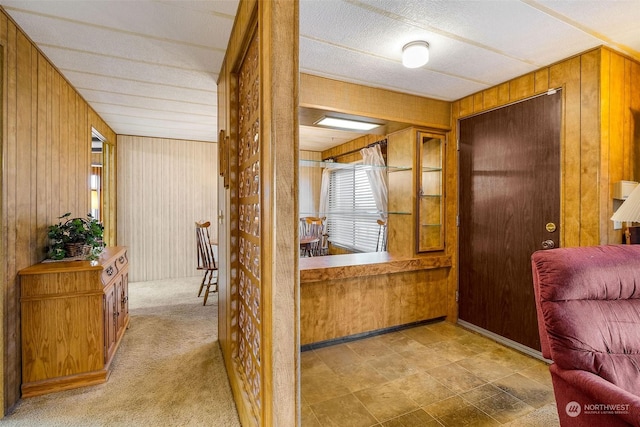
{"x": 206, "y": 260}
{"x": 313, "y": 227}
{"x": 381, "y": 246}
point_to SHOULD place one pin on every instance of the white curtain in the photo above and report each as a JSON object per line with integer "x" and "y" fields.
{"x": 324, "y": 193}
{"x": 377, "y": 177}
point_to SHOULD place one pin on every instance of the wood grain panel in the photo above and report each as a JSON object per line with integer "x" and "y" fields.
{"x": 478, "y": 101}
{"x": 522, "y": 87}
{"x": 590, "y": 148}
{"x": 45, "y": 151}
{"x": 333, "y": 309}
{"x": 318, "y": 269}
{"x": 541, "y": 80}
{"x": 619, "y": 133}
{"x": 339, "y": 152}
{"x": 333, "y": 95}
{"x": 491, "y": 97}
{"x": 165, "y": 186}
{"x": 401, "y": 150}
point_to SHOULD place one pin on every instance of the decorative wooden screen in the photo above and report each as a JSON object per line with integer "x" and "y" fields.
{"x": 246, "y": 289}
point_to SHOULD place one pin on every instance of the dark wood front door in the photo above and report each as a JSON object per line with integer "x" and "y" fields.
{"x": 509, "y": 206}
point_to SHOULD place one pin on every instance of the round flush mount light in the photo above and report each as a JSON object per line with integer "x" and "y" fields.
{"x": 415, "y": 54}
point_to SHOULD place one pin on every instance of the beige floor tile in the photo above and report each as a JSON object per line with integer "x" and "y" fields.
{"x": 503, "y": 407}
{"x": 338, "y": 355}
{"x": 310, "y": 363}
{"x": 320, "y": 387}
{"x": 425, "y": 359}
{"x": 444, "y": 407}
{"x": 529, "y": 391}
{"x": 480, "y": 393}
{"x": 456, "y": 378}
{"x": 369, "y": 348}
{"x": 407, "y": 379}
{"x": 469, "y": 416}
{"x": 399, "y": 342}
{"x": 393, "y": 366}
{"x": 308, "y": 418}
{"x": 423, "y": 389}
{"x": 453, "y": 350}
{"x": 345, "y": 411}
{"x": 359, "y": 376}
{"x": 478, "y": 343}
{"x": 511, "y": 358}
{"x": 424, "y": 336}
{"x": 418, "y": 418}
{"x": 456, "y": 412}
{"x": 386, "y": 402}
{"x": 539, "y": 372}
{"x": 448, "y": 330}
{"x": 483, "y": 367}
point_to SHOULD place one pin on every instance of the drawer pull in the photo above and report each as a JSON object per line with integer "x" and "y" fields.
{"x": 109, "y": 270}
{"x": 121, "y": 260}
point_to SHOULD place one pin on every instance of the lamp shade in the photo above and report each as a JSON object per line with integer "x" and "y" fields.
{"x": 629, "y": 211}
{"x": 415, "y": 54}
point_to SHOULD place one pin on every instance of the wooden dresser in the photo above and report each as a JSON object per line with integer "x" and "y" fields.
{"x": 74, "y": 315}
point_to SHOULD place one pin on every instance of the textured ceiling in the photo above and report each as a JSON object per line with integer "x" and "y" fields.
{"x": 150, "y": 67}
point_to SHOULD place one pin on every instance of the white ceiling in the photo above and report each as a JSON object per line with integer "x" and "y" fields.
{"x": 149, "y": 67}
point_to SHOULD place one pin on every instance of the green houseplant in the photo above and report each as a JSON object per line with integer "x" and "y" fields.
{"x": 74, "y": 237}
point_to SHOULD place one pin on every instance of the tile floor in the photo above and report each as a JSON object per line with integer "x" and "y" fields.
{"x": 437, "y": 374}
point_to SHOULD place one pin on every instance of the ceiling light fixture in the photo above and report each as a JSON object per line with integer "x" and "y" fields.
{"x": 345, "y": 124}
{"x": 415, "y": 54}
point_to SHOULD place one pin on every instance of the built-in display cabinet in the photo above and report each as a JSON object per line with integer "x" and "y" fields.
{"x": 418, "y": 190}
{"x": 430, "y": 197}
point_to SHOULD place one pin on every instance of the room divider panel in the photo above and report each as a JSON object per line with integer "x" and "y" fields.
{"x": 258, "y": 282}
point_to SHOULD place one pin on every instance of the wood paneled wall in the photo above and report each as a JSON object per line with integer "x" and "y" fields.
{"x": 619, "y": 132}
{"x": 164, "y": 187}
{"x": 343, "y": 97}
{"x": 46, "y": 152}
{"x": 340, "y": 152}
{"x": 600, "y": 116}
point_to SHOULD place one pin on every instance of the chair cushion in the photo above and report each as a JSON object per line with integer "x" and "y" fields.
{"x": 590, "y": 301}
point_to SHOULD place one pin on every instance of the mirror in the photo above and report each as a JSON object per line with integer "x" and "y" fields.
{"x": 96, "y": 176}
{"x": 334, "y": 185}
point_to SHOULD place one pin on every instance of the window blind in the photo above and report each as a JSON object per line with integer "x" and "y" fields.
{"x": 352, "y": 215}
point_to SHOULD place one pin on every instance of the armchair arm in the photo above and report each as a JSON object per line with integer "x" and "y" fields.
{"x": 599, "y": 399}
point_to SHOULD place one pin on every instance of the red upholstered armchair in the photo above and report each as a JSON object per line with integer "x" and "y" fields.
{"x": 588, "y": 304}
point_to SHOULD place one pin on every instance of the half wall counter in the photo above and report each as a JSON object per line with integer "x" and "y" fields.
{"x": 352, "y": 295}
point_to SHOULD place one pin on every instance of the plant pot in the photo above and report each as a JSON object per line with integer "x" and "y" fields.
{"x": 77, "y": 249}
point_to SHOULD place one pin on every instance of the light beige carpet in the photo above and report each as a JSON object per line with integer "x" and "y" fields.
{"x": 168, "y": 370}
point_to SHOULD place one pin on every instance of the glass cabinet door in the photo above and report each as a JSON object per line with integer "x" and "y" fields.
{"x": 430, "y": 198}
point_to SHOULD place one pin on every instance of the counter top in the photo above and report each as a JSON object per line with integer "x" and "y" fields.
{"x": 67, "y": 266}
{"x": 331, "y": 267}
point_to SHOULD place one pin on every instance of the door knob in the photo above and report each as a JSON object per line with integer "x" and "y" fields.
{"x": 548, "y": 244}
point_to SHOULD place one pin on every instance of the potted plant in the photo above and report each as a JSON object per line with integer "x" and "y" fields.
{"x": 75, "y": 237}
